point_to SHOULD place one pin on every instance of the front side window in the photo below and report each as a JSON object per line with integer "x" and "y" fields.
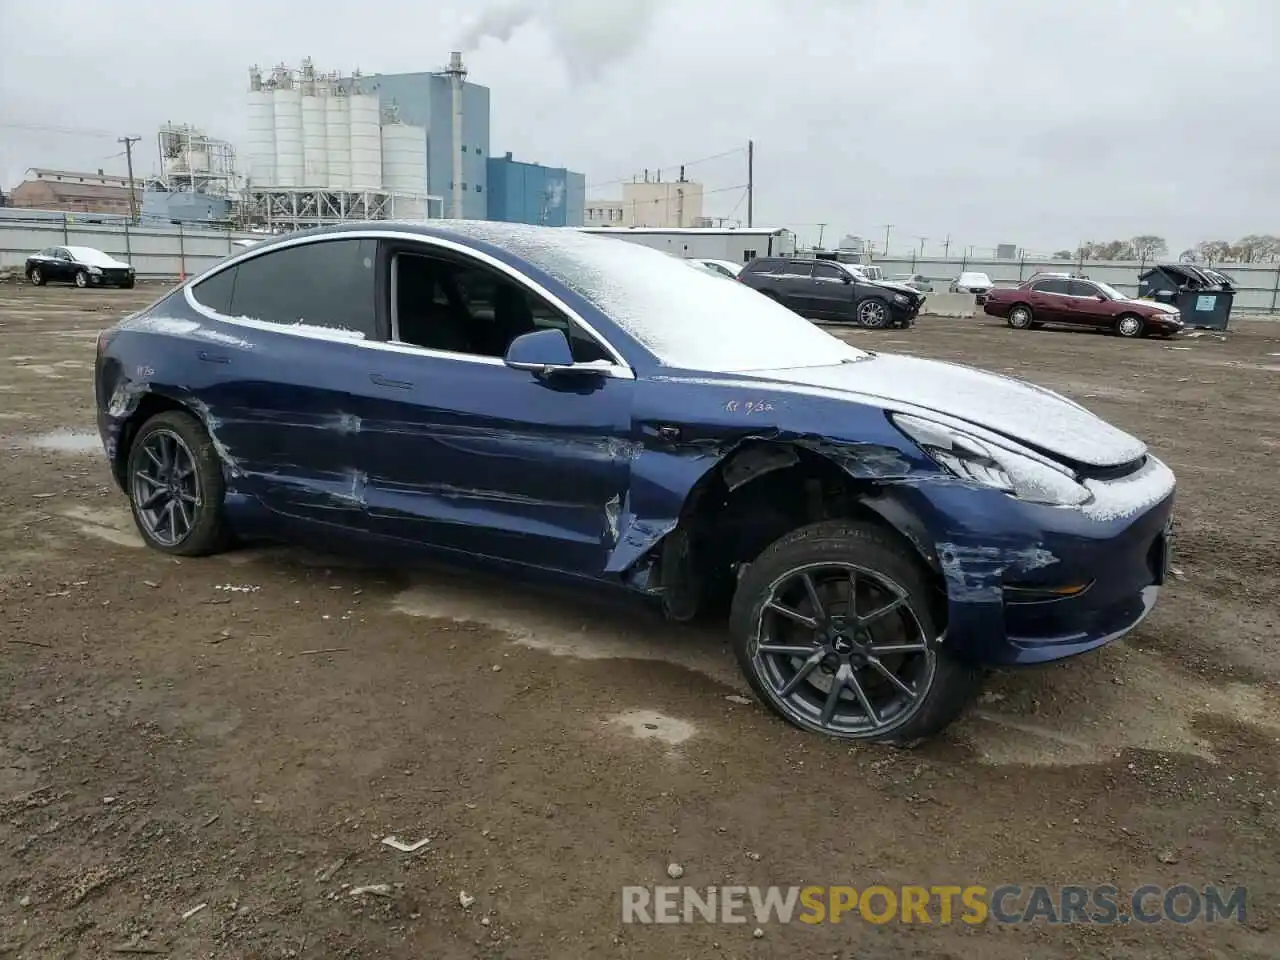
{"x": 329, "y": 283}
{"x": 445, "y": 304}
{"x": 1078, "y": 288}
{"x": 827, "y": 271}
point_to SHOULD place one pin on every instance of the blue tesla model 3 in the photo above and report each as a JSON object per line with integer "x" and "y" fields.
{"x": 878, "y": 529}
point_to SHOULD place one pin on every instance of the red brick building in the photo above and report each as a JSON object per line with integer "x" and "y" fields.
{"x": 74, "y": 192}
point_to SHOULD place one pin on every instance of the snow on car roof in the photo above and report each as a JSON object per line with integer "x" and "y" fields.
{"x": 685, "y": 317}
{"x": 91, "y": 256}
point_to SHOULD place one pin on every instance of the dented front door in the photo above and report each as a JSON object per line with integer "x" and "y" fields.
{"x": 470, "y": 455}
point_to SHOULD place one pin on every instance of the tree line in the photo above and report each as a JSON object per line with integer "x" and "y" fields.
{"x": 1255, "y": 248}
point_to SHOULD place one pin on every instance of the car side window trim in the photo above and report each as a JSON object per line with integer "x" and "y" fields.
{"x": 618, "y": 369}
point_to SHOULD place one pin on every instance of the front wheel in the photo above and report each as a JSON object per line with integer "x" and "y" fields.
{"x": 1129, "y": 326}
{"x": 834, "y": 629}
{"x": 36, "y": 276}
{"x": 873, "y": 314}
{"x": 176, "y": 487}
{"x": 1020, "y": 318}
{"x": 127, "y": 284}
{"x": 82, "y": 278}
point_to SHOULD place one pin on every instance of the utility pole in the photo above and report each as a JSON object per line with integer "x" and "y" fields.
{"x": 922, "y": 240}
{"x": 887, "y": 228}
{"x": 751, "y": 181}
{"x": 946, "y": 246}
{"x": 128, "y": 154}
{"x": 821, "y": 228}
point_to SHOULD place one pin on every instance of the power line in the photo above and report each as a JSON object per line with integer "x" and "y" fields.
{"x": 49, "y": 128}
{"x": 688, "y": 163}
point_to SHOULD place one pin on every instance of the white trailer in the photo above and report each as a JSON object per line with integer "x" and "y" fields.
{"x": 736, "y": 244}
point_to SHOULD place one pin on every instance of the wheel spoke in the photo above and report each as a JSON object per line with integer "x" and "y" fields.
{"x": 812, "y": 590}
{"x": 148, "y": 479}
{"x": 168, "y": 514}
{"x": 785, "y": 650}
{"x": 852, "y": 680}
{"x": 883, "y": 648}
{"x": 884, "y": 611}
{"x": 790, "y": 614}
{"x": 801, "y": 674}
{"x": 154, "y": 497}
{"x": 892, "y": 677}
{"x": 833, "y": 698}
{"x": 153, "y": 457}
{"x": 181, "y": 509}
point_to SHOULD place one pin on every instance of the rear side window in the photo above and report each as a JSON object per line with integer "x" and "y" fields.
{"x": 330, "y": 283}
{"x": 760, "y": 266}
{"x": 792, "y": 270}
{"x": 1051, "y": 286}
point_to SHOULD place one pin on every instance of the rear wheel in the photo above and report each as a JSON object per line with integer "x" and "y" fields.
{"x": 1130, "y": 325}
{"x": 36, "y": 276}
{"x": 176, "y": 487}
{"x": 873, "y": 313}
{"x": 1020, "y": 317}
{"x": 833, "y": 627}
{"x": 82, "y": 278}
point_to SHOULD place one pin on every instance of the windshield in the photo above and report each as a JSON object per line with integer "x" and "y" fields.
{"x": 1110, "y": 291}
{"x": 684, "y": 317}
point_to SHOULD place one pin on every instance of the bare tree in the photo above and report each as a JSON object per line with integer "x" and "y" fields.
{"x": 1148, "y": 247}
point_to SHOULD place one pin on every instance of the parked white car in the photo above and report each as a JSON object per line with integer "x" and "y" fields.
{"x": 978, "y": 284}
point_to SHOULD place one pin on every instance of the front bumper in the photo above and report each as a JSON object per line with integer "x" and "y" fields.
{"x": 1006, "y": 565}
{"x": 904, "y": 315}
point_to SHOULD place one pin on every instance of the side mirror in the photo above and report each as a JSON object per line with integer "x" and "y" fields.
{"x": 541, "y": 352}
{"x": 1102, "y": 298}
{"x": 847, "y": 278}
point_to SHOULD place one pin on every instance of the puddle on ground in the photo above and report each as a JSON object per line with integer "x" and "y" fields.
{"x": 111, "y": 524}
{"x": 60, "y": 441}
{"x": 651, "y": 725}
{"x": 1091, "y": 709}
{"x": 568, "y": 627}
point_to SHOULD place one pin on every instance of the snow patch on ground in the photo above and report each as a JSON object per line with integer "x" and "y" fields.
{"x": 651, "y": 725}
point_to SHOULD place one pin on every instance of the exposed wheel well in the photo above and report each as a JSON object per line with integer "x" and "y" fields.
{"x": 148, "y": 407}
{"x": 759, "y": 493}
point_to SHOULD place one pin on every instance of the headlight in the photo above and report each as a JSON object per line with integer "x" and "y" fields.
{"x": 95, "y": 270}
{"x": 977, "y": 461}
{"x": 901, "y": 298}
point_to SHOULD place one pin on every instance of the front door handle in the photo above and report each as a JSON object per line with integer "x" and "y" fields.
{"x": 382, "y": 381}
{"x": 208, "y": 357}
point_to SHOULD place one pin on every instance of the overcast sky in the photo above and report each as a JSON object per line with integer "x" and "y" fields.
{"x": 1022, "y": 121}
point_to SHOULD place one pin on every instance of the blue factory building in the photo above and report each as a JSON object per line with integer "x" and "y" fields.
{"x": 426, "y": 100}
{"x": 531, "y": 193}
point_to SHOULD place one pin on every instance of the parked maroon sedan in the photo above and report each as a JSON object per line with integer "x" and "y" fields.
{"x": 1080, "y": 302}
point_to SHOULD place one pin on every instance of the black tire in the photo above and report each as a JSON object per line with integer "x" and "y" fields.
{"x": 873, "y": 313}
{"x": 1021, "y": 317}
{"x": 127, "y": 284}
{"x": 951, "y": 684}
{"x": 82, "y": 279}
{"x": 209, "y": 532}
{"x": 1130, "y": 326}
{"x": 36, "y": 277}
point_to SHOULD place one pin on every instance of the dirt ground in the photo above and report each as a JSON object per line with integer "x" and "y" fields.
{"x": 238, "y": 734}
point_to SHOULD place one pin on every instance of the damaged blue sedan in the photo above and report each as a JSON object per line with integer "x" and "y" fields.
{"x": 877, "y": 528}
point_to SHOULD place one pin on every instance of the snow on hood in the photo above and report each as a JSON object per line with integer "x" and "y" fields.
{"x": 95, "y": 258}
{"x": 1019, "y": 410}
{"x": 1162, "y": 307}
{"x": 895, "y": 285}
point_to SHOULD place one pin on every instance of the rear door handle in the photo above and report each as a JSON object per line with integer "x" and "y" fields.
{"x": 213, "y": 357}
{"x": 382, "y": 381}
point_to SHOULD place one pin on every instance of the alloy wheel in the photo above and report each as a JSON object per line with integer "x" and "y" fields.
{"x": 81, "y": 279}
{"x": 1020, "y": 318}
{"x": 872, "y": 313}
{"x": 36, "y": 276}
{"x": 1130, "y": 327}
{"x": 165, "y": 488}
{"x": 840, "y": 651}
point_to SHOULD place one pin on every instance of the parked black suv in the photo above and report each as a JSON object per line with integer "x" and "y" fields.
{"x": 827, "y": 290}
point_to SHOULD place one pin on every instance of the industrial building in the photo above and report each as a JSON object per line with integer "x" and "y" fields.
{"x": 197, "y": 179}
{"x": 456, "y": 115}
{"x": 322, "y": 148}
{"x": 737, "y": 244}
{"x": 73, "y": 192}
{"x": 531, "y": 193}
{"x": 650, "y": 203}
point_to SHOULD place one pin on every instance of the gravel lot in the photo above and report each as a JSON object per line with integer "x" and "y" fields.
{"x": 168, "y": 742}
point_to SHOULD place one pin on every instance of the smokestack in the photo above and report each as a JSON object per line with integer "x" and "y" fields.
{"x": 456, "y": 73}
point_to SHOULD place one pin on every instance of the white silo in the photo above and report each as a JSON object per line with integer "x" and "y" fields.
{"x": 404, "y": 169}
{"x": 366, "y": 142}
{"x": 287, "y": 101}
{"x": 337, "y": 117}
{"x": 315, "y": 139}
{"x": 260, "y": 155}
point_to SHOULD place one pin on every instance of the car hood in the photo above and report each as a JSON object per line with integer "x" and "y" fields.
{"x": 1031, "y": 415}
{"x": 1155, "y": 306}
{"x": 893, "y": 285}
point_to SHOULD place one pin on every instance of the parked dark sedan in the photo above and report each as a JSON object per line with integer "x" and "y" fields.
{"x": 822, "y": 289}
{"x": 1083, "y": 303}
{"x": 878, "y": 527}
{"x": 83, "y": 266}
